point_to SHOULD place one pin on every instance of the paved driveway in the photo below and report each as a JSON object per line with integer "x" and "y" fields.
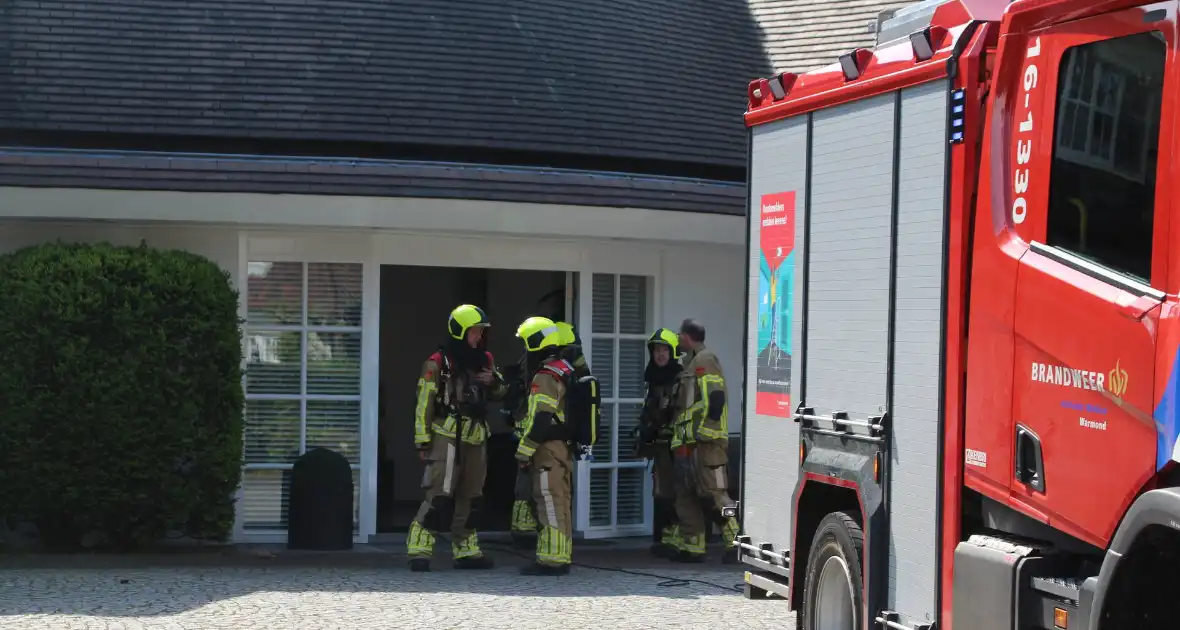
{"x": 280, "y": 597}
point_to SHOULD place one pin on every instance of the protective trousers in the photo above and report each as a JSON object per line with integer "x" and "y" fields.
{"x": 453, "y": 480}
{"x": 552, "y": 470}
{"x": 702, "y": 483}
{"x": 524, "y": 522}
{"x": 663, "y": 483}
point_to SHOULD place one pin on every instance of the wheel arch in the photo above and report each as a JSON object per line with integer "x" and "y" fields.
{"x": 1152, "y": 513}
{"x": 817, "y": 497}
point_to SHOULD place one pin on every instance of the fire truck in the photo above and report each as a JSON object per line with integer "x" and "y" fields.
{"x": 960, "y": 406}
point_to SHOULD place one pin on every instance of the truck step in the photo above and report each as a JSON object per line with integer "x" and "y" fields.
{"x": 759, "y": 586}
{"x": 1065, "y": 588}
{"x": 764, "y": 558}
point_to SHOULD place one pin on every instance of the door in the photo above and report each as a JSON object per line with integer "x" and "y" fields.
{"x": 613, "y": 492}
{"x": 1088, "y": 293}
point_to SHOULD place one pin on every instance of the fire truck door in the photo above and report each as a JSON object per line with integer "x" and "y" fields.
{"x": 1087, "y": 309}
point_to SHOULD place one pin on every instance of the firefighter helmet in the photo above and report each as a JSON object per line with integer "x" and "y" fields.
{"x": 665, "y": 337}
{"x": 465, "y": 317}
{"x": 539, "y": 333}
{"x": 568, "y": 336}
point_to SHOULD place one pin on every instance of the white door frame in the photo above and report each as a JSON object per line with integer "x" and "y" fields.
{"x": 374, "y": 249}
{"x": 582, "y": 470}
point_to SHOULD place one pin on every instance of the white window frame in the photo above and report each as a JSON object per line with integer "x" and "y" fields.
{"x": 583, "y": 469}
{"x": 304, "y": 329}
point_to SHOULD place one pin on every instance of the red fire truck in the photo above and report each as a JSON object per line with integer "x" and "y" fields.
{"x": 963, "y": 323}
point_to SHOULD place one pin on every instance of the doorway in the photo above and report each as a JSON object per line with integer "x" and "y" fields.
{"x": 415, "y": 304}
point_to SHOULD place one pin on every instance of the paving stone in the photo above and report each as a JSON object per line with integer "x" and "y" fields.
{"x": 277, "y": 598}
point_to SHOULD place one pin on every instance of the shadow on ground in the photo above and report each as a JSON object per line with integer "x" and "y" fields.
{"x": 144, "y": 585}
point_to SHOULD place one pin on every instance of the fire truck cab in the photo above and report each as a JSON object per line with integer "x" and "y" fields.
{"x": 961, "y": 405}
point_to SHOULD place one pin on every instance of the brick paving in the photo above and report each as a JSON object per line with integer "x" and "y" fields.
{"x": 380, "y": 594}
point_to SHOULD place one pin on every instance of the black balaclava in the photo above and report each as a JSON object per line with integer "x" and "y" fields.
{"x": 656, "y": 375}
{"x": 466, "y": 357}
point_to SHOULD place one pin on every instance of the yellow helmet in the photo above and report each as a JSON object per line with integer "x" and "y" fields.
{"x": 464, "y": 317}
{"x": 539, "y": 333}
{"x": 665, "y": 336}
{"x": 568, "y": 336}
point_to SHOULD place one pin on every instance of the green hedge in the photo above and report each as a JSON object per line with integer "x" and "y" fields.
{"x": 120, "y": 394}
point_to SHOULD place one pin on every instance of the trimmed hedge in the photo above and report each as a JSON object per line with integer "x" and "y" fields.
{"x": 120, "y": 394}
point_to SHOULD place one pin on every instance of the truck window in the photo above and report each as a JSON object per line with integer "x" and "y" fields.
{"x": 1106, "y": 137}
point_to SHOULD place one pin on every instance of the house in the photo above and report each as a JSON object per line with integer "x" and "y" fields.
{"x": 360, "y": 167}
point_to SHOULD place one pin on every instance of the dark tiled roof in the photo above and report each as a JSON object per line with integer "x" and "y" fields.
{"x": 386, "y": 178}
{"x": 639, "y": 79}
{"x": 803, "y": 35}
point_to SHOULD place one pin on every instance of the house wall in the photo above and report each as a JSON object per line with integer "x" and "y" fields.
{"x": 218, "y": 244}
{"x": 699, "y": 283}
{"x": 688, "y": 280}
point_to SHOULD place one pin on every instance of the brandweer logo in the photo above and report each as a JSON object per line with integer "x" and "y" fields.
{"x": 1117, "y": 381}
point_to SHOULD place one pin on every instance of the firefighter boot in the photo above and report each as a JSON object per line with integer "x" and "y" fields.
{"x": 468, "y": 555}
{"x": 665, "y": 531}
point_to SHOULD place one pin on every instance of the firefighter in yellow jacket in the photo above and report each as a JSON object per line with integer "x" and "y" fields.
{"x": 700, "y": 444}
{"x": 544, "y": 445}
{"x": 524, "y": 521}
{"x": 450, "y": 432}
{"x": 655, "y": 434}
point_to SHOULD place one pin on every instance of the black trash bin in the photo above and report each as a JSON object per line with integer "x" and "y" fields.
{"x": 320, "y": 516}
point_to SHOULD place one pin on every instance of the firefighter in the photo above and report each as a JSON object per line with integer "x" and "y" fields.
{"x": 523, "y": 526}
{"x": 700, "y": 443}
{"x": 524, "y": 521}
{"x": 655, "y": 434}
{"x": 544, "y": 447}
{"x": 450, "y": 432}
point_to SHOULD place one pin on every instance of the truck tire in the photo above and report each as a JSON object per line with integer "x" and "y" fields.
{"x": 833, "y": 590}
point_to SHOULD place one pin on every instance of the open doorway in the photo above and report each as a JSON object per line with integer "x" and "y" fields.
{"x": 415, "y": 304}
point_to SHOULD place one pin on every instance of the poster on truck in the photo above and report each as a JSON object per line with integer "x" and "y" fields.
{"x": 776, "y": 241}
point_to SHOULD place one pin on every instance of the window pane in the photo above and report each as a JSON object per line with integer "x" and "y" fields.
{"x": 632, "y": 362}
{"x": 602, "y": 363}
{"x": 628, "y": 421}
{"x": 602, "y": 304}
{"x": 1102, "y": 199}
{"x": 272, "y": 431}
{"x": 603, "y": 446}
{"x": 631, "y": 494}
{"x": 600, "y": 497}
{"x": 334, "y": 294}
{"x": 633, "y": 305}
{"x": 335, "y": 425}
{"x": 274, "y": 293}
{"x": 265, "y": 494}
{"x": 273, "y": 363}
{"x": 334, "y": 363}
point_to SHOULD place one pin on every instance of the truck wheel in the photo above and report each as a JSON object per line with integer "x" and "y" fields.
{"x": 833, "y": 591}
